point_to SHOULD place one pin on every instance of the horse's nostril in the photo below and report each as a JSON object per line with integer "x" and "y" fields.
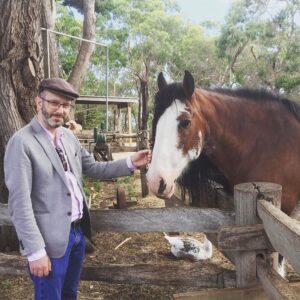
{"x": 162, "y": 186}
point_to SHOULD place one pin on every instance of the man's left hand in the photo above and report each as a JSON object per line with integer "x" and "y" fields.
{"x": 141, "y": 158}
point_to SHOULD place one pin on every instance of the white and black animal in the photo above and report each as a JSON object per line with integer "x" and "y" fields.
{"x": 186, "y": 247}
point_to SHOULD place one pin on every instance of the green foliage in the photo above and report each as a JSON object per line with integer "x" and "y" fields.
{"x": 261, "y": 45}
{"x": 94, "y": 118}
{"x": 67, "y": 47}
{"x": 5, "y": 285}
{"x": 97, "y": 185}
{"x": 86, "y": 186}
{"x": 257, "y": 45}
{"x": 286, "y": 82}
{"x": 90, "y": 183}
{"x": 127, "y": 183}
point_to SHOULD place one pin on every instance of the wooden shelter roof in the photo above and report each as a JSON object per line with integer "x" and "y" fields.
{"x": 121, "y": 101}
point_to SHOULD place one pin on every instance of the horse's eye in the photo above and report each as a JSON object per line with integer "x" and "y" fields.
{"x": 184, "y": 123}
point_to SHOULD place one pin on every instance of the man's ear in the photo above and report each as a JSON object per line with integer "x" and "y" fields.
{"x": 38, "y": 102}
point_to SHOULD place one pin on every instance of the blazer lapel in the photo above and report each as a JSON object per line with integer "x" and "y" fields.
{"x": 49, "y": 149}
{"x": 69, "y": 155}
{"x": 71, "y": 161}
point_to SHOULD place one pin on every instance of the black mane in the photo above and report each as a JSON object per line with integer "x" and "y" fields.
{"x": 261, "y": 95}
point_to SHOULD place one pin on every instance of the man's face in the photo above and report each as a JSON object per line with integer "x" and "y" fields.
{"x": 53, "y": 109}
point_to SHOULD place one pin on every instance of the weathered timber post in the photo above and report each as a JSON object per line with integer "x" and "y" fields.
{"x": 245, "y": 201}
{"x": 143, "y": 143}
{"x": 129, "y": 123}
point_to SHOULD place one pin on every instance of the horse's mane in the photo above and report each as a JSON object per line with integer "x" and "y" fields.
{"x": 261, "y": 95}
{"x": 199, "y": 174}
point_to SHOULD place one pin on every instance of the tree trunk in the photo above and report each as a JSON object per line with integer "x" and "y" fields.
{"x": 137, "y": 82}
{"x": 230, "y": 67}
{"x": 144, "y": 91}
{"x": 20, "y": 73}
{"x": 86, "y": 49}
{"x": 48, "y": 21}
{"x": 145, "y": 98}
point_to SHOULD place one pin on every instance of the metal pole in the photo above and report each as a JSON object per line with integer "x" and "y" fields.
{"x": 106, "y": 88}
{"x": 48, "y": 54}
{"x": 74, "y": 37}
{"x": 85, "y": 40}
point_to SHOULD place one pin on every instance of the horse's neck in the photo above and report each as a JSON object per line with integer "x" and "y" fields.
{"x": 227, "y": 139}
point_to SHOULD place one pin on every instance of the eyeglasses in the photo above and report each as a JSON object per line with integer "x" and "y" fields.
{"x": 62, "y": 158}
{"x": 56, "y": 104}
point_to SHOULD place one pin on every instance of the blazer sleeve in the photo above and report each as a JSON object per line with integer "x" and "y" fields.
{"x": 103, "y": 170}
{"x": 18, "y": 179}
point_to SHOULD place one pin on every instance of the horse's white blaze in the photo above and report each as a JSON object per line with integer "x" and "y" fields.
{"x": 168, "y": 160}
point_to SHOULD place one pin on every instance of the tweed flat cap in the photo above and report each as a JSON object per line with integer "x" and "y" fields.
{"x": 58, "y": 86}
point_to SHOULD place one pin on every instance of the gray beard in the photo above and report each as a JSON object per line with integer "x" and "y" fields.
{"x": 47, "y": 119}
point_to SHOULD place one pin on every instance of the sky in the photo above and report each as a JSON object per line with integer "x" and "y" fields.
{"x": 203, "y": 10}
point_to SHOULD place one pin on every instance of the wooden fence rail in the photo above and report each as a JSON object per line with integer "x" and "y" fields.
{"x": 243, "y": 238}
{"x": 158, "y": 274}
{"x": 282, "y": 231}
{"x": 274, "y": 285}
{"x": 187, "y": 219}
{"x": 283, "y": 234}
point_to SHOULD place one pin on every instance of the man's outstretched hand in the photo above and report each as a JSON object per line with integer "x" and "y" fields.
{"x": 141, "y": 158}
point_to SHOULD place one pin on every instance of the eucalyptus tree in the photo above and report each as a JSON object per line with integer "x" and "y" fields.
{"x": 67, "y": 48}
{"x": 242, "y": 27}
{"x": 86, "y": 49}
{"x": 87, "y": 29}
{"x": 20, "y": 69}
{"x": 195, "y": 51}
{"x": 144, "y": 44}
{"x": 48, "y": 22}
{"x": 260, "y": 44}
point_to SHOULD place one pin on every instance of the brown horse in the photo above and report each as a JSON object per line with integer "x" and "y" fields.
{"x": 243, "y": 135}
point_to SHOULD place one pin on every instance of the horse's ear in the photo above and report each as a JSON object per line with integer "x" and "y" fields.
{"x": 188, "y": 84}
{"x": 161, "y": 81}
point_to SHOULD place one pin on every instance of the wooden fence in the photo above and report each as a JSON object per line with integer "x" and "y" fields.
{"x": 247, "y": 236}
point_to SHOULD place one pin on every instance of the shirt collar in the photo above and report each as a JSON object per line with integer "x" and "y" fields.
{"x": 54, "y": 138}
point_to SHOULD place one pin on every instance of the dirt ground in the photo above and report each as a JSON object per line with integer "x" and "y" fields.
{"x": 140, "y": 248}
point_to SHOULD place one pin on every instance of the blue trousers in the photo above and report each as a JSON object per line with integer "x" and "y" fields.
{"x": 62, "y": 282}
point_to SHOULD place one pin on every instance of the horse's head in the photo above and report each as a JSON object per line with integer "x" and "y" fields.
{"x": 177, "y": 133}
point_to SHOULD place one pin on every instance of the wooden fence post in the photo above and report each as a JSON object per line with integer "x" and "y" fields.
{"x": 143, "y": 143}
{"x": 245, "y": 200}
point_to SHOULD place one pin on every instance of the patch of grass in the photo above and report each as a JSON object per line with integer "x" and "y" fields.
{"x": 97, "y": 186}
{"x": 89, "y": 183}
{"x": 91, "y": 186}
{"x": 86, "y": 186}
{"x": 5, "y": 285}
{"x": 128, "y": 183}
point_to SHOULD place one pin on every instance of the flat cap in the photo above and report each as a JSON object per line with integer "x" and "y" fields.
{"x": 58, "y": 86}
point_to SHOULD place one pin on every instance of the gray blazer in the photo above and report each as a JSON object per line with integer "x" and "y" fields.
{"x": 39, "y": 200}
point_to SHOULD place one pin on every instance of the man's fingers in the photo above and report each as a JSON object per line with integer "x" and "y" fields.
{"x": 40, "y": 267}
{"x": 40, "y": 272}
{"x": 46, "y": 271}
{"x": 49, "y": 265}
{"x": 30, "y": 268}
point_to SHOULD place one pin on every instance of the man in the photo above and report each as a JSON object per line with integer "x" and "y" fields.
{"x": 43, "y": 165}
